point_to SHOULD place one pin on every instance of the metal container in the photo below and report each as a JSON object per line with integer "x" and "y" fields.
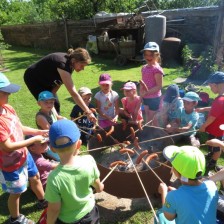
{"x": 126, "y": 184}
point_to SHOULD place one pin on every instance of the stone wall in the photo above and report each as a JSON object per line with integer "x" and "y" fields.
{"x": 195, "y": 25}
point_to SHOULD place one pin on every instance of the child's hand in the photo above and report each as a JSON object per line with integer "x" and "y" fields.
{"x": 114, "y": 119}
{"x": 163, "y": 189}
{"x": 44, "y": 133}
{"x": 202, "y": 128}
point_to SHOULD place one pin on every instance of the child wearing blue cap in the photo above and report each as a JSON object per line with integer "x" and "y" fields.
{"x": 68, "y": 192}
{"x": 47, "y": 115}
{"x": 17, "y": 166}
{"x": 152, "y": 80}
{"x": 193, "y": 202}
{"x": 215, "y": 117}
{"x": 186, "y": 120}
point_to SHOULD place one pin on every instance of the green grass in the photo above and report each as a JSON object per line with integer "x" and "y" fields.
{"x": 18, "y": 59}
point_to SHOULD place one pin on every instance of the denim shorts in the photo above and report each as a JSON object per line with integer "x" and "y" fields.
{"x": 152, "y": 103}
{"x": 15, "y": 182}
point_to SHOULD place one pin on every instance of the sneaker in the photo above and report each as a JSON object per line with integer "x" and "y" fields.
{"x": 211, "y": 165}
{"x": 21, "y": 220}
{"x": 208, "y": 157}
{"x": 42, "y": 204}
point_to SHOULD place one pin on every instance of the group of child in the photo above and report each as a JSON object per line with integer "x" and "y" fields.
{"x": 68, "y": 186}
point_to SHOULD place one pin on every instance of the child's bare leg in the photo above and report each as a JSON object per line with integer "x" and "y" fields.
{"x": 37, "y": 187}
{"x": 13, "y": 205}
{"x": 216, "y": 155}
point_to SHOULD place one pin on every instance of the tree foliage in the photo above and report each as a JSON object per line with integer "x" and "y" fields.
{"x": 31, "y": 11}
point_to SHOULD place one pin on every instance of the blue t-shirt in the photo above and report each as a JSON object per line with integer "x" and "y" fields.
{"x": 174, "y": 106}
{"x": 186, "y": 119}
{"x": 193, "y": 204}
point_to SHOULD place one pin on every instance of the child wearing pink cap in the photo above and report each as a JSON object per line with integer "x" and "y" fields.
{"x": 131, "y": 110}
{"x": 107, "y": 102}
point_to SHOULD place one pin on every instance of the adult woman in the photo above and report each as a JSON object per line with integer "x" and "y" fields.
{"x": 55, "y": 69}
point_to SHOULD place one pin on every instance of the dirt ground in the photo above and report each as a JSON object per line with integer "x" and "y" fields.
{"x": 114, "y": 210}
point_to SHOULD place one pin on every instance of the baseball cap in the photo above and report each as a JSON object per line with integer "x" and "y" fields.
{"x": 189, "y": 161}
{"x": 63, "y": 128}
{"x": 171, "y": 93}
{"x": 45, "y": 95}
{"x": 191, "y": 96}
{"x": 84, "y": 91}
{"x": 6, "y": 86}
{"x": 129, "y": 86}
{"x": 105, "y": 79}
{"x": 151, "y": 46}
{"x": 217, "y": 77}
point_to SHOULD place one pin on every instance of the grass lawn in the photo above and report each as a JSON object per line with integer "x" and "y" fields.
{"x": 17, "y": 60}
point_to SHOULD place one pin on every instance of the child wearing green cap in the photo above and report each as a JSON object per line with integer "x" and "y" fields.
{"x": 68, "y": 191}
{"x": 186, "y": 120}
{"x": 215, "y": 117}
{"x": 195, "y": 201}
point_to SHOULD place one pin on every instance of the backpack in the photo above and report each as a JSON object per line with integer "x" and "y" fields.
{"x": 43, "y": 217}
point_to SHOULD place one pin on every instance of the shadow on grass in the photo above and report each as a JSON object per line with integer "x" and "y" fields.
{"x": 27, "y": 205}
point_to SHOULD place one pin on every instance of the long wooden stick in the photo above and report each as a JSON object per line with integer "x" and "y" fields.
{"x": 144, "y": 189}
{"x": 109, "y": 174}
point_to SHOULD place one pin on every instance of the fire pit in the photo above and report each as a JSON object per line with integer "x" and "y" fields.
{"x": 126, "y": 184}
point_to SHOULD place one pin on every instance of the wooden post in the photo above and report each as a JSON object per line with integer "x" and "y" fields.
{"x": 66, "y": 32}
{"x": 219, "y": 38}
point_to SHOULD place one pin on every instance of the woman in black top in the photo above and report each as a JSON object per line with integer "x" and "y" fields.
{"x": 55, "y": 69}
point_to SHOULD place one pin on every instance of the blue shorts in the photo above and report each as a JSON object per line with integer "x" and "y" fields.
{"x": 152, "y": 103}
{"x": 16, "y": 182}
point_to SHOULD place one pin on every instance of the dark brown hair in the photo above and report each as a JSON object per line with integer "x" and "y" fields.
{"x": 79, "y": 55}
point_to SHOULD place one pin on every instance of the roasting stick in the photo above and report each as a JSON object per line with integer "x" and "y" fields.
{"x": 142, "y": 127}
{"x": 115, "y": 140}
{"x": 102, "y": 181}
{"x": 168, "y": 136}
{"x": 144, "y": 189}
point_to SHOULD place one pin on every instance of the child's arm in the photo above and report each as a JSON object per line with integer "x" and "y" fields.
{"x": 98, "y": 185}
{"x": 137, "y": 108}
{"x": 215, "y": 143}
{"x": 157, "y": 87}
{"x": 42, "y": 122}
{"x": 203, "y": 109}
{"x": 209, "y": 120}
{"x": 32, "y": 131}
{"x": 116, "y": 105}
{"x": 53, "y": 212}
{"x": 9, "y": 146}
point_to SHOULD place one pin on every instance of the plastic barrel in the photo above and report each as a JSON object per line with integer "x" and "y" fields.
{"x": 155, "y": 29}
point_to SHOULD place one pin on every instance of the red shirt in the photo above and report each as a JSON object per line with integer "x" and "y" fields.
{"x": 10, "y": 128}
{"x": 217, "y": 111}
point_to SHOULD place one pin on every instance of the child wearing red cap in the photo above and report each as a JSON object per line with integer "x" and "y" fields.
{"x": 107, "y": 102}
{"x": 131, "y": 110}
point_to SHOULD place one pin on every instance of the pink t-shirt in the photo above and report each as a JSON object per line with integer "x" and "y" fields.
{"x": 148, "y": 76}
{"x": 10, "y": 128}
{"x": 217, "y": 111}
{"x": 130, "y": 106}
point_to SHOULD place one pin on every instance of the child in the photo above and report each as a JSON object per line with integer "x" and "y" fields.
{"x": 44, "y": 166}
{"x": 79, "y": 116}
{"x": 131, "y": 110}
{"x": 170, "y": 104}
{"x": 46, "y": 116}
{"x": 68, "y": 192}
{"x": 186, "y": 120}
{"x": 107, "y": 102}
{"x": 215, "y": 117}
{"x": 152, "y": 76}
{"x": 195, "y": 201}
{"x": 17, "y": 165}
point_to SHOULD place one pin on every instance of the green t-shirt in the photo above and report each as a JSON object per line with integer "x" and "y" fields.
{"x": 70, "y": 185}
